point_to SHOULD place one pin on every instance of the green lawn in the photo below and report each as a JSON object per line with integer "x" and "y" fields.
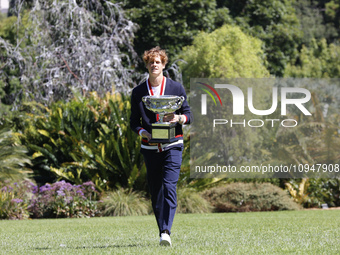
{"x": 294, "y": 232}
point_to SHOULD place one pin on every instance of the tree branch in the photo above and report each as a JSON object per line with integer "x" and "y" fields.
{"x": 68, "y": 68}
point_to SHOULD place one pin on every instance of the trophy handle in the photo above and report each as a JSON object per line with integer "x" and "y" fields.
{"x": 181, "y": 99}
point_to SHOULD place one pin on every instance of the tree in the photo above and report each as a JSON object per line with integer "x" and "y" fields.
{"x": 312, "y": 22}
{"x": 169, "y": 24}
{"x": 12, "y": 63}
{"x": 225, "y": 53}
{"x": 86, "y": 46}
{"x": 272, "y": 21}
{"x": 320, "y": 60}
{"x": 12, "y": 36}
{"x": 333, "y": 12}
{"x": 330, "y": 10}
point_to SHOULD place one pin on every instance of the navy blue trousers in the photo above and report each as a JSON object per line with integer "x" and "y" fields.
{"x": 163, "y": 170}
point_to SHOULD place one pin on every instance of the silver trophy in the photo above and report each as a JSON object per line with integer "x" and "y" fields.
{"x": 163, "y": 132}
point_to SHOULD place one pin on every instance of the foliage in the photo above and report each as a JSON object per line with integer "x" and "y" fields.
{"x": 312, "y": 22}
{"x": 315, "y": 192}
{"x": 2, "y": 16}
{"x": 7, "y": 29}
{"x": 325, "y": 191}
{"x": 332, "y": 13}
{"x": 226, "y": 52}
{"x": 13, "y": 158}
{"x": 11, "y": 62}
{"x": 176, "y": 23}
{"x": 333, "y": 9}
{"x": 315, "y": 140}
{"x": 14, "y": 37}
{"x": 320, "y": 60}
{"x": 299, "y": 193}
{"x": 13, "y": 28}
{"x": 64, "y": 200}
{"x": 124, "y": 202}
{"x": 245, "y": 197}
{"x": 272, "y": 21}
{"x": 69, "y": 48}
{"x": 330, "y": 10}
{"x": 14, "y": 199}
{"x": 232, "y": 145}
{"x": 170, "y": 24}
{"x": 16, "y": 7}
{"x": 90, "y": 45}
{"x": 85, "y": 139}
{"x": 189, "y": 200}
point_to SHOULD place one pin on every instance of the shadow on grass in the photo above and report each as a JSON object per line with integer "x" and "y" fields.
{"x": 112, "y": 246}
{"x": 93, "y": 247}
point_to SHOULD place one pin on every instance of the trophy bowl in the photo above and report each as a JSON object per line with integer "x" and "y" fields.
{"x": 163, "y": 104}
{"x": 163, "y": 132}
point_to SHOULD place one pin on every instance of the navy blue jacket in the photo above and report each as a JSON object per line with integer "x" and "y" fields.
{"x": 142, "y": 118}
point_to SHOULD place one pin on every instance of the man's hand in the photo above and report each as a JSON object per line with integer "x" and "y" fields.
{"x": 172, "y": 118}
{"x": 146, "y": 135}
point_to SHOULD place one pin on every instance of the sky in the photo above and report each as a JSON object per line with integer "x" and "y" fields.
{"x": 4, "y": 4}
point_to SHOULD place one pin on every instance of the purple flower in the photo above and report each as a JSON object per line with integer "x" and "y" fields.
{"x": 35, "y": 190}
{"x": 31, "y": 183}
{"x": 80, "y": 192}
{"x": 17, "y": 200}
{"x": 45, "y": 187}
{"x": 60, "y": 193}
{"x": 89, "y": 183}
{"x": 7, "y": 189}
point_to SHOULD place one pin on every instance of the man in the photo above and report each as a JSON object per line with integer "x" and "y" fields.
{"x": 163, "y": 161}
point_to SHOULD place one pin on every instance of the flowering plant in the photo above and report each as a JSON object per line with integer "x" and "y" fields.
{"x": 20, "y": 200}
{"x": 14, "y": 199}
{"x": 64, "y": 200}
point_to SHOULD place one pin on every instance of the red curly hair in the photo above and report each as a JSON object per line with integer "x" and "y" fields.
{"x": 153, "y": 53}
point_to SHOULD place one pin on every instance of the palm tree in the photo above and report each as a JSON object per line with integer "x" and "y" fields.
{"x": 13, "y": 157}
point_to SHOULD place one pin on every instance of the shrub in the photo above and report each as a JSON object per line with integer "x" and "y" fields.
{"x": 315, "y": 192}
{"x": 13, "y": 158}
{"x": 125, "y": 202}
{"x": 14, "y": 199}
{"x": 245, "y": 197}
{"x": 64, "y": 200}
{"x": 299, "y": 192}
{"x": 226, "y": 52}
{"x": 324, "y": 191}
{"x": 85, "y": 139}
{"x": 191, "y": 201}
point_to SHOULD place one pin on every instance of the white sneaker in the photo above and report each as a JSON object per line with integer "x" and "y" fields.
{"x": 165, "y": 240}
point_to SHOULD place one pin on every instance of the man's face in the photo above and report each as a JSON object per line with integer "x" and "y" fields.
{"x": 155, "y": 66}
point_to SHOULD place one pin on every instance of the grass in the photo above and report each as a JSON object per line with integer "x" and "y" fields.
{"x": 288, "y": 232}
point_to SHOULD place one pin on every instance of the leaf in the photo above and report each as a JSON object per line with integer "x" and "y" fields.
{"x": 37, "y": 154}
{"x": 105, "y": 128}
{"x": 43, "y": 132}
{"x": 133, "y": 176}
{"x": 102, "y": 150}
{"x": 60, "y": 113}
{"x": 45, "y": 152}
{"x": 63, "y": 174}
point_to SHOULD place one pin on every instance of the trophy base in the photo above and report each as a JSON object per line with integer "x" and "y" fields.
{"x": 163, "y": 133}
{"x": 162, "y": 140}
